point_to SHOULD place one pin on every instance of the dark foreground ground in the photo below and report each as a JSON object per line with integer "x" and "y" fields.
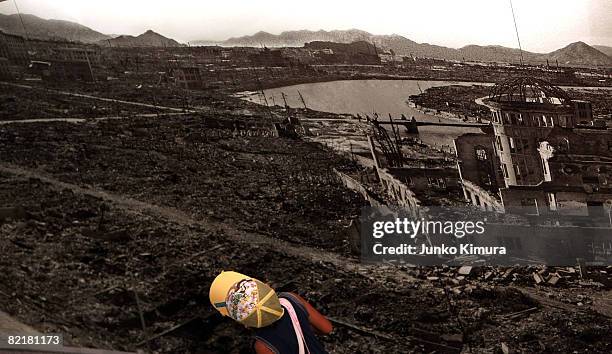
{"x": 102, "y": 215}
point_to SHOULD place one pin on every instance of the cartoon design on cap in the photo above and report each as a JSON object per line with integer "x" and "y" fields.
{"x": 242, "y": 299}
{"x": 245, "y": 299}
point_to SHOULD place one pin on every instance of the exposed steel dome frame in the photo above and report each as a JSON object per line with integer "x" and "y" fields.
{"x": 519, "y": 89}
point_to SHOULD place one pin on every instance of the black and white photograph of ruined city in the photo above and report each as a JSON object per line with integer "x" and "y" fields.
{"x": 292, "y": 177}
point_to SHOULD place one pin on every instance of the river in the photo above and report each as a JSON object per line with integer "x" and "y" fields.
{"x": 367, "y": 96}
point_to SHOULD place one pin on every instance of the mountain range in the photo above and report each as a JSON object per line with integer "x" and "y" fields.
{"x": 38, "y": 28}
{"x": 147, "y": 39}
{"x": 604, "y": 49}
{"x": 49, "y": 29}
{"x": 578, "y": 53}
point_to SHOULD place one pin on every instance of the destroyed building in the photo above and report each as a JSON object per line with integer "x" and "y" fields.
{"x": 546, "y": 152}
{"x": 187, "y": 77}
{"x": 76, "y": 54}
{"x": 268, "y": 57}
{"x": 13, "y": 48}
{"x": 408, "y": 184}
{"x": 5, "y": 71}
{"x": 71, "y": 63}
{"x": 360, "y": 52}
{"x": 299, "y": 55}
{"x": 62, "y": 60}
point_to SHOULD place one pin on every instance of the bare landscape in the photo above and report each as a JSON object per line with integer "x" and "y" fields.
{"x": 134, "y": 169}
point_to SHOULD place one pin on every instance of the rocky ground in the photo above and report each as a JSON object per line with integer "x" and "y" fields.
{"x": 20, "y": 103}
{"x": 79, "y": 263}
{"x": 105, "y": 221}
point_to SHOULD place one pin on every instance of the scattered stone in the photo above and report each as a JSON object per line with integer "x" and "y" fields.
{"x": 504, "y": 348}
{"x": 465, "y": 270}
{"x": 538, "y": 278}
{"x": 554, "y": 279}
{"x": 453, "y": 338}
{"x": 508, "y": 273}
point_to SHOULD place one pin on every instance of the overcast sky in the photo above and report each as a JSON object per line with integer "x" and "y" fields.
{"x": 544, "y": 25}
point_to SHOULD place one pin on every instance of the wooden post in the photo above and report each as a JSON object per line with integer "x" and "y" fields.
{"x": 373, "y": 151}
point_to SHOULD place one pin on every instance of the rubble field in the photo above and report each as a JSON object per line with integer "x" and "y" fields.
{"x": 20, "y": 103}
{"x": 600, "y": 99}
{"x": 77, "y": 262}
{"x": 107, "y": 222}
{"x": 456, "y": 99}
{"x": 278, "y": 187}
{"x": 459, "y": 100}
{"x": 144, "y": 92}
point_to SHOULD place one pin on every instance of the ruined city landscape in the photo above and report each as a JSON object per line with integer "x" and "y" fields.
{"x": 135, "y": 168}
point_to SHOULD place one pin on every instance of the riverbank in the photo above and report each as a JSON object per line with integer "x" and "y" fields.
{"x": 451, "y": 72}
{"x": 453, "y": 101}
{"x": 274, "y": 84}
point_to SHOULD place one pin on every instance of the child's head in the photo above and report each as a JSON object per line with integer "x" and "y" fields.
{"x": 245, "y": 299}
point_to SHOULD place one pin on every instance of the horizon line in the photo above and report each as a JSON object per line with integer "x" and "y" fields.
{"x": 275, "y": 33}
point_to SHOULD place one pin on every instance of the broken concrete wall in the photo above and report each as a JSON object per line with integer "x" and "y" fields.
{"x": 477, "y": 160}
{"x": 481, "y": 197}
{"x": 351, "y": 183}
{"x": 423, "y": 179}
{"x": 398, "y": 192}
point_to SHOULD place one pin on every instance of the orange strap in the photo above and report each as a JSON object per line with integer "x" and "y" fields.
{"x": 319, "y": 322}
{"x": 262, "y": 348}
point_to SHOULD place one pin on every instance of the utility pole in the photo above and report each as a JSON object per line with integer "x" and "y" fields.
{"x": 517, "y": 33}
{"x": 25, "y": 31}
{"x": 89, "y": 64}
{"x": 265, "y": 98}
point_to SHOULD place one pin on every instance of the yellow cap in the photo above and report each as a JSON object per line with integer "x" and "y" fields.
{"x": 221, "y": 286}
{"x": 265, "y": 309}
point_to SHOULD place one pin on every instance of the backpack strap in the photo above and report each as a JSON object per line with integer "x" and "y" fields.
{"x": 303, "y": 348}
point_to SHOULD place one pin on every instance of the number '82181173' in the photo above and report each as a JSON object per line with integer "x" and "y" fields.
{"x": 42, "y": 339}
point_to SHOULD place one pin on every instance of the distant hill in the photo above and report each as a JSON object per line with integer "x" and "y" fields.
{"x": 294, "y": 38}
{"x": 358, "y": 47}
{"x": 575, "y": 54}
{"x": 498, "y": 54}
{"x": 580, "y": 53}
{"x": 604, "y": 49}
{"x": 147, "y": 39}
{"x": 49, "y": 29}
